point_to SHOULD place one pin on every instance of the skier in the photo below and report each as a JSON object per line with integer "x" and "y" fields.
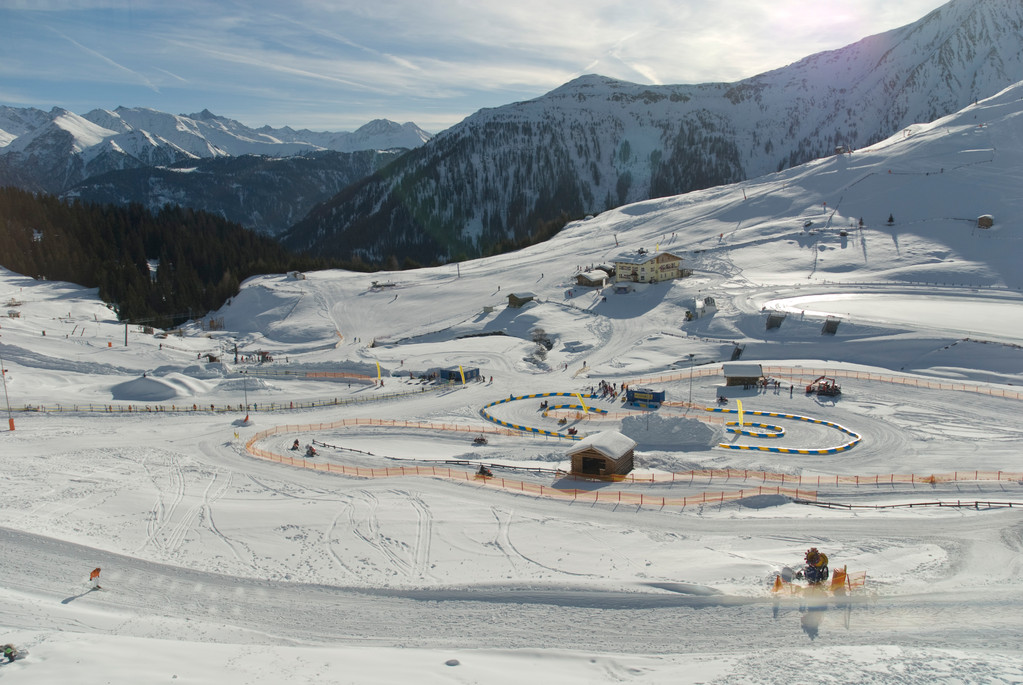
{"x": 816, "y": 571}
{"x": 10, "y": 652}
{"x": 94, "y": 577}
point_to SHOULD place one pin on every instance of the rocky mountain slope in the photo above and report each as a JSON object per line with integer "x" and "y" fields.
{"x": 595, "y": 143}
{"x": 265, "y": 194}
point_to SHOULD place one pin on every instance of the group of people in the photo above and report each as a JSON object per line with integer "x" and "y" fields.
{"x": 607, "y": 389}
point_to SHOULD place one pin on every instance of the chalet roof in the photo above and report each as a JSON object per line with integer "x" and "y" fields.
{"x": 523, "y": 294}
{"x": 642, "y": 257}
{"x": 611, "y": 444}
{"x": 742, "y": 370}
{"x": 595, "y": 275}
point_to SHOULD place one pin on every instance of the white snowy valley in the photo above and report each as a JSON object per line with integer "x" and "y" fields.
{"x": 229, "y": 558}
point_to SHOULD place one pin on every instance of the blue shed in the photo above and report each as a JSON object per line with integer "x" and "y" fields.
{"x": 472, "y": 373}
{"x": 644, "y": 395}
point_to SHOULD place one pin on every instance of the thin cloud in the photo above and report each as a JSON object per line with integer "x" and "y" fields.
{"x": 347, "y": 60}
{"x": 106, "y": 60}
{"x": 172, "y": 75}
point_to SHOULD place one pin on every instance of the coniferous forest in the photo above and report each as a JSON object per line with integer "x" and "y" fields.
{"x": 163, "y": 267}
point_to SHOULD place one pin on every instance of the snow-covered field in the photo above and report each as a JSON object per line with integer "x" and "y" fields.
{"x": 221, "y": 567}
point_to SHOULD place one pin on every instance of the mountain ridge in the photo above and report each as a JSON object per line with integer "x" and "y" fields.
{"x": 595, "y": 142}
{"x": 56, "y": 150}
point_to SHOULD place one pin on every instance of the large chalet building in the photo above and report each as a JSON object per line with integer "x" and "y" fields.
{"x": 642, "y": 266}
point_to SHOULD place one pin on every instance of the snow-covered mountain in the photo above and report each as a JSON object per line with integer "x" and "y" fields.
{"x": 53, "y": 151}
{"x": 595, "y": 143}
{"x": 132, "y": 456}
{"x": 265, "y": 194}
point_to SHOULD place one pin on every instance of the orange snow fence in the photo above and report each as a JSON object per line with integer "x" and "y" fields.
{"x": 536, "y": 489}
{"x": 843, "y": 580}
{"x": 802, "y": 373}
{"x": 800, "y": 486}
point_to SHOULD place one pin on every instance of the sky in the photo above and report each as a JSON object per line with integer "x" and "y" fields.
{"x": 335, "y": 65}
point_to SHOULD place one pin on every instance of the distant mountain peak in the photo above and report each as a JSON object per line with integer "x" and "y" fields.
{"x": 205, "y": 115}
{"x": 132, "y": 137}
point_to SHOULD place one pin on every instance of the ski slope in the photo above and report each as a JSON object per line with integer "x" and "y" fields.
{"x": 219, "y": 566}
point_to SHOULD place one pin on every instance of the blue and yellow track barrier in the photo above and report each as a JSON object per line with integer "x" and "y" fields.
{"x": 786, "y": 450}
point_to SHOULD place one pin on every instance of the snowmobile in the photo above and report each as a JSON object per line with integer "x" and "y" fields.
{"x": 479, "y": 440}
{"x": 484, "y": 473}
{"x": 310, "y": 451}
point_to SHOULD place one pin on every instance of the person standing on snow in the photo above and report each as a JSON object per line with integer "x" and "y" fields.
{"x": 10, "y": 652}
{"x": 94, "y": 577}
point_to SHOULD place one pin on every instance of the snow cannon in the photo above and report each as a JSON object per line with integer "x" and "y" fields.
{"x": 816, "y": 570}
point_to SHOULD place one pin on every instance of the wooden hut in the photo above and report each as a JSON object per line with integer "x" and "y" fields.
{"x": 597, "y": 278}
{"x": 604, "y": 454}
{"x": 520, "y": 298}
{"x": 742, "y": 373}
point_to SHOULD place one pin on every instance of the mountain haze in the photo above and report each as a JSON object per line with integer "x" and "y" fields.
{"x": 504, "y": 174}
{"x": 56, "y": 150}
{"x": 263, "y": 193}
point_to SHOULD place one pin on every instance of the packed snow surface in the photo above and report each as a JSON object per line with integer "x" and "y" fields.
{"x": 219, "y": 566}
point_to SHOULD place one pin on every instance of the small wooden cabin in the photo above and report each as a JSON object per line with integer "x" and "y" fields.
{"x": 604, "y": 454}
{"x": 742, "y": 373}
{"x": 597, "y": 278}
{"x": 520, "y": 298}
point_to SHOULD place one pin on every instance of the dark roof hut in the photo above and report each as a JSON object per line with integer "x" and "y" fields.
{"x": 520, "y": 298}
